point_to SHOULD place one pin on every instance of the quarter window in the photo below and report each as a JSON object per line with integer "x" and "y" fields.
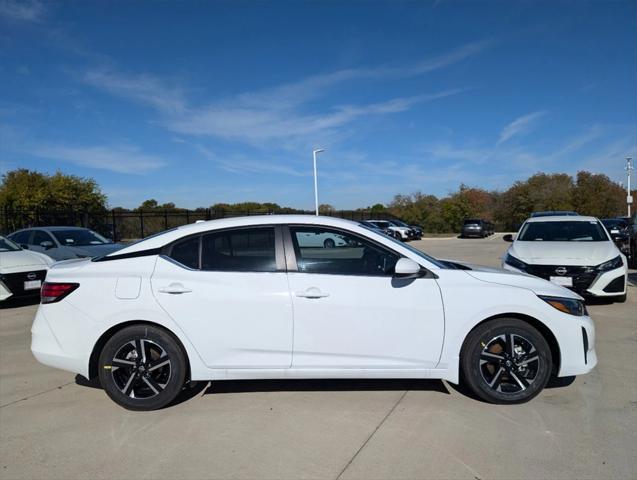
{"x": 186, "y": 252}
{"x": 323, "y": 250}
{"x": 243, "y": 250}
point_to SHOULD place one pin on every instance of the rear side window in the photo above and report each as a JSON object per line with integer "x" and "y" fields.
{"x": 242, "y": 250}
{"x": 186, "y": 252}
{"x": 21, "y": 237}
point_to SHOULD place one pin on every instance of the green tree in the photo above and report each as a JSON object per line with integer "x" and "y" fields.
{"x": 598, "y": 195}
{"x": 30, "y": 190}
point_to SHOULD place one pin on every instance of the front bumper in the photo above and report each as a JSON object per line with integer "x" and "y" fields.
{"x": 587, "y": 281}
{"x": 577, "y": 347}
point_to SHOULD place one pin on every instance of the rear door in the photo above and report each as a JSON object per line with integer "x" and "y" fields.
{"x": 228, "y": 291}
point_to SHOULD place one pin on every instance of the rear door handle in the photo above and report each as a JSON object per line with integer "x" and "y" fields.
{"x": 312, "y": 292}
{"x": 175, "y": 289}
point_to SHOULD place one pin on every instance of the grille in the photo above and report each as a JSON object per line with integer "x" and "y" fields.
{"x": 583, "y": 277}
{"x": 15, "y": 281}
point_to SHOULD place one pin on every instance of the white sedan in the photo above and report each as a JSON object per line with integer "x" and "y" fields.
{"x": 247, "y": 298}
{"x": 21, "y": 271}
{"x": 573, "y": 251}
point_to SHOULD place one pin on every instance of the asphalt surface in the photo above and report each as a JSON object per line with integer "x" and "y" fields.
{"x": 52, "y": 426}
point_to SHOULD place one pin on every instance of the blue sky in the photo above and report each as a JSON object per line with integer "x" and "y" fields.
{"x": 205, "y": 102}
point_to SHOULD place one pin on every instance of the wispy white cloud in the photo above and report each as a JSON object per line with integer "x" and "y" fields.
{"x": 120, "y": 159}
{"x": 273, "y": 113}
{"x": 243, "y": 164}
{"x": 256, "y": 125}
{"x": 519, "y": 126}
{"x": 22, "y": 10}
{"x": 140, "y": 88}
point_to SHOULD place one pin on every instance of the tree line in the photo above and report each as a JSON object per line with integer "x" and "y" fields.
{"x": 587, "y": 193}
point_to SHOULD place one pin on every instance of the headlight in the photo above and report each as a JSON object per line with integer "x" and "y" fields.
{"x": 514, "y": 262}
{"x": 566, "y": 305}
{"x": 611, "y": 264}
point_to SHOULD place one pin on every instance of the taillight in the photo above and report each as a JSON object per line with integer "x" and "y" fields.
{"x": 54, "y": 292}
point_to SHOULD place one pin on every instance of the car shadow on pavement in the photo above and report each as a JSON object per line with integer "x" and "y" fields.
{"x": 20, "y": 302}
{"x": 327, "y": 385}
{"x": 554, "y": 382}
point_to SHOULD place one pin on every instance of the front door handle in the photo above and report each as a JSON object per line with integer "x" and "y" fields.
{"x": 175, "y": 289}
{"x": 312, "y": 292}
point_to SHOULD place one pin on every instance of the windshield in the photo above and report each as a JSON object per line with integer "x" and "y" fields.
{"x": 421, "y": 254}
{"x": 79, "y": 237}
{"x": 7, "y": 245}
{"x": 472, "y": 222}
{"x": 566, "y": 231}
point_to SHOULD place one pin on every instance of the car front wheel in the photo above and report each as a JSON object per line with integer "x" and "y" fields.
{"x": 506, "y": 360}
{"x": 142, "y": 367}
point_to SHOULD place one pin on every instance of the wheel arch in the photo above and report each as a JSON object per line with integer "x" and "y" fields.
{"x": 101, "y": 341}
{"x": 534, "y": 322}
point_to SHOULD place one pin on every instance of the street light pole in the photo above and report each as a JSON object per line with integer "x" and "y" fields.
{"x": 316, "y": 204}
{"x": 629, "y": 197}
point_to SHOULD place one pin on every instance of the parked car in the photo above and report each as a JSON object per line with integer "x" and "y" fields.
{"x": 555, "y": 213}
{"x": 575, "y": 252}
{"x": 21, "y": 271}
{"x": 632, "y": 240}
{"x": 392, "y": 229}
{"x": 244, "y": 298}
{"x": 62, "y": 243}
{"x": 404, "y": 231}
{"x": 619, "y": 231}
{"x": 323, "y": 240}
{"x": 474, "y": 227}
{"x": 380, "y": 225}
{"x": 417, "y": 229}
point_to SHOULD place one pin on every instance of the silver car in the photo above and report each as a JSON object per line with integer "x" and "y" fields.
{"x": 62, "y": 243}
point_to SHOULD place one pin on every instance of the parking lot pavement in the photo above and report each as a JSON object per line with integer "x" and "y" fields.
{"x": 52, "y": 427}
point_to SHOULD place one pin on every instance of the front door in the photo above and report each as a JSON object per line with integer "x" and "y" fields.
{"x": 228, "y": 292}
{"x": 350, "y": 312}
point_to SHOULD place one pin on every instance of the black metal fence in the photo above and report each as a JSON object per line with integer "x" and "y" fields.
{"x": 129, "y": 225}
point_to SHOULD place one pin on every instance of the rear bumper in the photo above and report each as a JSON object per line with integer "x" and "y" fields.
{"x": 48, "y": 350}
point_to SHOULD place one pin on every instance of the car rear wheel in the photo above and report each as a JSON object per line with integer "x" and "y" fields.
{"x": 329, "y": 243}
{"x": 142, "y": 367}
{"x": 506, "y": 360}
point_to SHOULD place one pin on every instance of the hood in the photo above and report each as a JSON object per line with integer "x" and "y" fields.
{"x": 537, "y": 285}
{"x": 569, "y": 253}
{"x": 14, "y": 261}
{"x": 94, "y": 250}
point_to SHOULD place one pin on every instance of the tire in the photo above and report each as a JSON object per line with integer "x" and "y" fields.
{"x": 329, "y": 243}
{"x": 137, "y": 382}
{"x": 493, "y": 373}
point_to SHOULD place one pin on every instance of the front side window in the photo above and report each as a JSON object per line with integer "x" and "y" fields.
{"x": 324, "y": 250}
{"x": 565, "y": 231}
{"x": 39, "y": 237}
{"x": 242, "y": 250}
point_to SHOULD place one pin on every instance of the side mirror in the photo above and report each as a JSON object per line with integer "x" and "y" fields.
{"x": 508, "y": 237}
{"x": 407, "y": 268}
{"x": 47, "y": 244}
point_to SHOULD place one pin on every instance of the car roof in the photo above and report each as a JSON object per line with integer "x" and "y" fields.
{"x": 52, "y": 229}
{"x": 555, "y": 213}
{"x": 562, "y": 218}
{"x": 168, "y": 236}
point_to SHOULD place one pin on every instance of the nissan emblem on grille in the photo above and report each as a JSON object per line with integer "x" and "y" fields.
{"x": 31, "y": 276}
{"x": 560, "y": 270}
